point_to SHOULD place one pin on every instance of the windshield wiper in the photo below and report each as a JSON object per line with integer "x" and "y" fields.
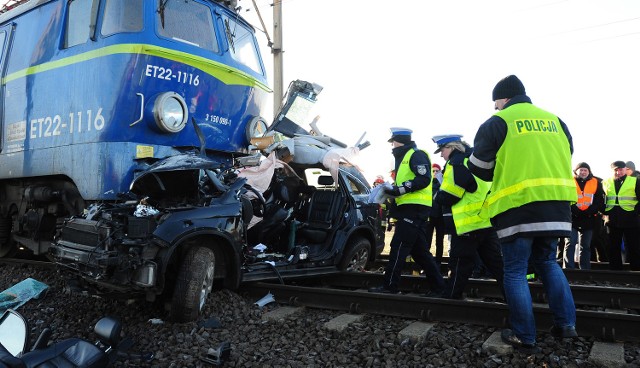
{"x": 161, "y": 6}
{"x": 230, "y": 35}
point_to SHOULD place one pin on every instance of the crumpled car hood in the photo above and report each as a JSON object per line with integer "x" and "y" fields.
{"x": 175, "y": 176}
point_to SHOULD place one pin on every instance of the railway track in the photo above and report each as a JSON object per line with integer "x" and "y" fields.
{"x": 599, "y": 273}
{"x": 463, "y": 322}
{"x": 348, "y": 292}
{"x": 605, "y": 312}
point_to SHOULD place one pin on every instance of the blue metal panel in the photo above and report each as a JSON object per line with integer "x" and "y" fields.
{"x": 70, "y": 111}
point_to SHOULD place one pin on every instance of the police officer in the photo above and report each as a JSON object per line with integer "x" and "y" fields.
{"x": 412, "y": 193}
{"x": 461, "y": 196}
{"x": 622, "y": 209}
{"x": 526, "y": 152}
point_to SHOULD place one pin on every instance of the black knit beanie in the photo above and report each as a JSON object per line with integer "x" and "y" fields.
{"x": 581, "y": 165}
{"x": 508, "y": 87}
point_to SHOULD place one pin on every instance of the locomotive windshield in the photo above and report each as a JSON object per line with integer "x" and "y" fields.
{"x": 189, "y": 22}
{"x": 122, "y": 16}
{"x": 241, "y": 44}
{"x": 80, "y": 22}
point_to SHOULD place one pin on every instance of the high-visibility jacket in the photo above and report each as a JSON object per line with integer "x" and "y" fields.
{"x": 422, "y": 196}
{"x": 585, "y": 196}
{"x": 534, "y": 162}
{"x": 626, "y": 196}
{"x": 466, "y": 212}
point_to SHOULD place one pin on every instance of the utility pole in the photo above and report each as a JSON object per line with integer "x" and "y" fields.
{"x": 278, "y": 83}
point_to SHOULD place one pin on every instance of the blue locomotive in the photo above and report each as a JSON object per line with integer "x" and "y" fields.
{"x": 94, "y": 90}
{"x": 123, "y": 127}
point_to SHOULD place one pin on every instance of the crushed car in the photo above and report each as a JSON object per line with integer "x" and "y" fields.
{"x": 190, "y": 224}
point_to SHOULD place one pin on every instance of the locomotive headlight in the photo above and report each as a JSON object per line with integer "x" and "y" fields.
{"x": 256, "y": 128}
{"x": 170, "y": 112}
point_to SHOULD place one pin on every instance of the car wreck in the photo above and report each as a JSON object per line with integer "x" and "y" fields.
{"x": 191, "y": 224}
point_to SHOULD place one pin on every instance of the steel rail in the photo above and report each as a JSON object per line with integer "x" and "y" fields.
{"x": 594, "y": 265}
{"x": 607, "y": 297}
{"x": 604, "y": 325}
{"x": 601, "y": 275}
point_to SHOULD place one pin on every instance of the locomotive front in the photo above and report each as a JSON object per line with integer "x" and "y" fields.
{"x": 96, "y": 91}
{"x": 97, "y": 94}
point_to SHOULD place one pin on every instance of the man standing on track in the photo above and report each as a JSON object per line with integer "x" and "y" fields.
{"x": 622, "y": 208}
{"x": 461, "y": 196}
{"x": 526, "y": 152}
{"x": 412, "y": 193}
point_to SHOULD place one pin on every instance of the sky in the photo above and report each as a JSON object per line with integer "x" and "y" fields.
{"x": 431, "y": 66}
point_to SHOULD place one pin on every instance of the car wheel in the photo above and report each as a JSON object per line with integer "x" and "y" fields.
{"x": 356, "y": 255}
{"x": 193, "y": 285}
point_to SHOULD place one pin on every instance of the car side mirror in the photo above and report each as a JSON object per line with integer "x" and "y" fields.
{"x": 13, "y": 332}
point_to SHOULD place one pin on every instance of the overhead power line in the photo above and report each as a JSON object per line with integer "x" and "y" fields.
{"x": 596, "y": 26}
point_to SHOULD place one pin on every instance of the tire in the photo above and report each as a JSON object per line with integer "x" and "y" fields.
{"x": 356, "y": 256}
{"x": 193, "y": 284}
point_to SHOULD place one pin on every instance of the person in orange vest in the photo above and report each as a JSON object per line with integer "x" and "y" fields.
{"x": 584, "y": 216}
{"x": 622, "y": 208}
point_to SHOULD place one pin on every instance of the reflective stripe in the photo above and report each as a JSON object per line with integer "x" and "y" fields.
{"x": 449, "y": 186}
{"x": 482, "y": 164}
{"x": 538, "y": 226}
{"x": 528, "y": 184}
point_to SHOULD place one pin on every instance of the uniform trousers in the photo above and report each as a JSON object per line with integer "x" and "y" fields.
{"x": 462, "y": 259}
{"x": 410, "y": 239}
{"x": 631, "y": 238}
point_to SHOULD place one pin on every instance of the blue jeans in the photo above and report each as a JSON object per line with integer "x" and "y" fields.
{"x": 542, "y": 251}
{"x": 583, "y": 239}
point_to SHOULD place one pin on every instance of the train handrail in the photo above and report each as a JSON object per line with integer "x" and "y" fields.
{"x": 141, "y": 109}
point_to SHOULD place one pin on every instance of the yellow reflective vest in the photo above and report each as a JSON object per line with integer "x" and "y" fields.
{"x": 466, "y": 212}
{"x": 626, "y": 196}
{"x": 534, "y": 162}
{"x": 422, "y": 196}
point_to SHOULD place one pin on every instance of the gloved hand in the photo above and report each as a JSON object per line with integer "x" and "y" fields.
{"x": 395, "y": 191}
{"x": 389, "y": 226}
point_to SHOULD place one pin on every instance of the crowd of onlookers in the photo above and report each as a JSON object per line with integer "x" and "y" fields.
{"x": 604, "y": 230}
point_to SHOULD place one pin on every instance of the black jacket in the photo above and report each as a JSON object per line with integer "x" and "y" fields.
{"x": 488, "y": 140}
{"x": 589, "y": 218}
